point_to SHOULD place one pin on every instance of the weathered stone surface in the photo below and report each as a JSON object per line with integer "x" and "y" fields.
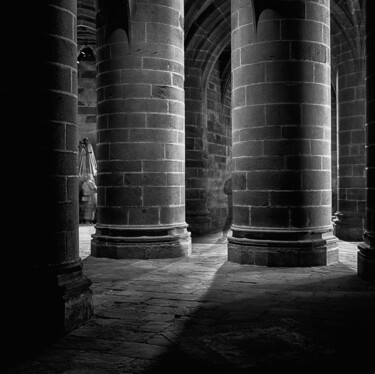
{"x": 244, "y": 318}
{"x": 281, "y": 153}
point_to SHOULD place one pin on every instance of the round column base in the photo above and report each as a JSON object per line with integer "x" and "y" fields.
{"x": 284, "y": 249}
{"x": 121, "y": 242}
{"x": 366, "y": 263}
{"x": 348, "y": 227}
{"x": 199, "y": 224}
{"x": 46, "y": 302}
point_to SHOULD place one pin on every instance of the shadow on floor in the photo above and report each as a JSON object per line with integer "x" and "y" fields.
{"x": 205, "y": 314}
{"x": 309, "y": 328}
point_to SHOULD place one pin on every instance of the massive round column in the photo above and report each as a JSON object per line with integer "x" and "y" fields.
{"x": 141, "y": 139}
{"x": 281, "y": 134}
{"x": 48, "y": 294}
{"x": 366, "y": 255}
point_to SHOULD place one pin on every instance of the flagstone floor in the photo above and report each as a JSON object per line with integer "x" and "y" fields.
{"x": 205, "y": 314}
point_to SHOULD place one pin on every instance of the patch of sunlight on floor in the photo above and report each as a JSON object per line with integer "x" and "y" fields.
{"x": 85, "y": 232}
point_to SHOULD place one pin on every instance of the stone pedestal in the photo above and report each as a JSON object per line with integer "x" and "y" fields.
{"x": 62, "y": 298}
{"x": 43, "y": 304}
{"x": 348, "y": 227}
{"x": 140, "y": 243}
{"x": 283, "y": 249}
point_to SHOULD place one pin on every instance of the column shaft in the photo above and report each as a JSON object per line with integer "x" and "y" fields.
{"x": 50, "y": 296}
{"x": 141, "y": 138}
{"x": 281, "y": 134}
{"x": 366, "y": 255}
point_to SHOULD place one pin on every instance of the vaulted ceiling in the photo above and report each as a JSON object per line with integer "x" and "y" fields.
{"x": 208, "y": 30}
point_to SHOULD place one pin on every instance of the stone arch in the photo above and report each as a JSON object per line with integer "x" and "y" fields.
{"x": 116, "y": 16}
{"x": 88, "y": 50}
{"x": 347, "y": 21}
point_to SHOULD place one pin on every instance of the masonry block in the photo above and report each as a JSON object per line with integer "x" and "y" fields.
{"x": 287, "y": 171}
{"x": 141, "y": 137}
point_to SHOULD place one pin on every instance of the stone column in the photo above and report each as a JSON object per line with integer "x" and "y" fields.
{"x": 141, "y": 139}
{"x": 281, "y": 134}
{"x": 366, "y": 254}
{"x": 49, "y": 294}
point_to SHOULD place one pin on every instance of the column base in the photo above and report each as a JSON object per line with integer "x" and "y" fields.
{"x": 44, "y": 304}
{"x": 283, "y": 249}
{"x": 199, "y": 224}
{"x": 348, "y": 227}
{"x": 366, "y": 258}
{"x": 122, "y": 242}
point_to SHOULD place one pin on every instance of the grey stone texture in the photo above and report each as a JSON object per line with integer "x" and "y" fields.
{"x": 177, "y": 96}
{"x": 204, "y": 313}
{"x": 141, "y": 134}
{"x": 47, "y": 294}
{"x": 281, "y": 110}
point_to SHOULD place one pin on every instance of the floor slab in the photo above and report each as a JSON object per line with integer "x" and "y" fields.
{"x": 205, "y": 313}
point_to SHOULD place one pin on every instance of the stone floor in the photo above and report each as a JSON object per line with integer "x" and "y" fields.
{"x": 205, "y": 314}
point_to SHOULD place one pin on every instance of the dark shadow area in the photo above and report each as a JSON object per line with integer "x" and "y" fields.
{"x": 312, "y": 327}
{"x": 30, "y": 322}
{"x": 247, "y": 319}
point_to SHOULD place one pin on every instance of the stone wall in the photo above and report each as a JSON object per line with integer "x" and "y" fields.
{"x": 334, "y": 150}
{"x": 349, "y": 65}
{"x": 87, "y": 101}
{"x": 219, "y": 148}
{"x": 197, "y": 215}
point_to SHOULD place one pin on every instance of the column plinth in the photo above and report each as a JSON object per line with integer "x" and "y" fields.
{"x": 122, "y": 242}
{"x": 46, "y": 302}
{"x": 282, "y": 249}
{"x": 64, "y": 299}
